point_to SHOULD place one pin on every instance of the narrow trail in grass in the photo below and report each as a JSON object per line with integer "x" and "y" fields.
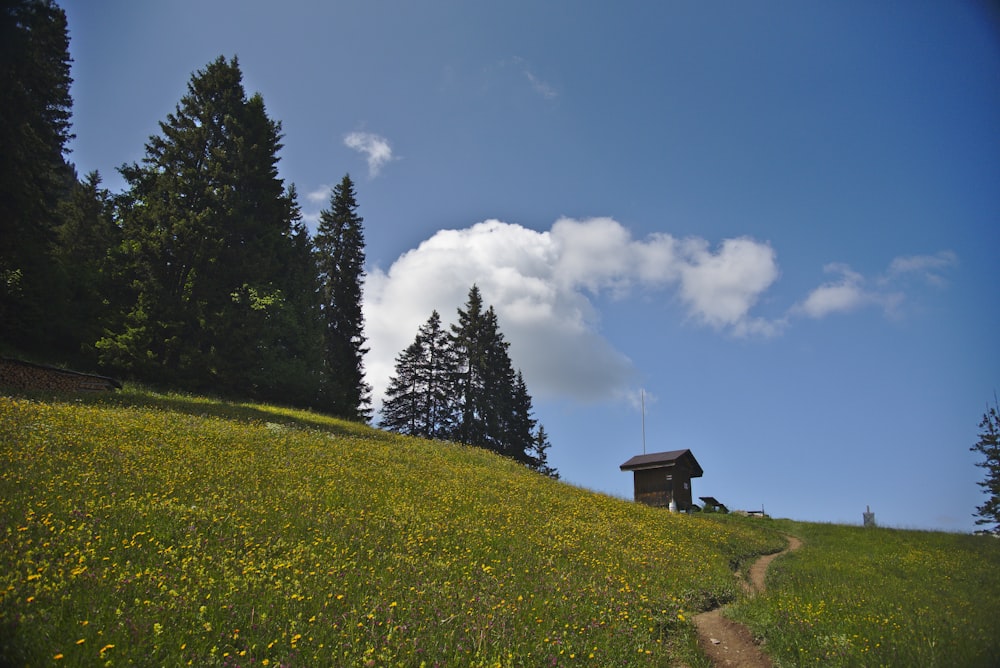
{"x": 727, "y": 643}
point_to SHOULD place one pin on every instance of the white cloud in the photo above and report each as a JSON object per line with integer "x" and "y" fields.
{"x": 541, "y": 284}
{"x": 853, "y": 291}
{"x": 320, "y": 195}
{"x": 376, "y": 149}
{"x": 722, "y": 287}
{"x": 844, "y": 294}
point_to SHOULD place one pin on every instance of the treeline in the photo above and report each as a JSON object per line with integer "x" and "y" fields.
{"x": 200, "y": 275}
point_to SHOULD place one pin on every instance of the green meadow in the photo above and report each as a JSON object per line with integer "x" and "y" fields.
{"x": 161, "y": 529}
{"x": 852, "y": 596}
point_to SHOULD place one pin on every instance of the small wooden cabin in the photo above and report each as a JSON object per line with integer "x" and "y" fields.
{"x": 662, "y": 477}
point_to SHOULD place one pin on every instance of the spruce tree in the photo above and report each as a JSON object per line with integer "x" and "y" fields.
{"x": 86, "y": 238}
{"x": 989, "y": 447}
{"x": 462, "y": 386}
{"x": 209, "y": 228}
{"x": 34, "y": 176}
{"x": 418, "y": 400}
{"x": 519, "y": 437}
{"x": 340, "y": 258}
{"x": 470, "y": 390}
{"x": 541, "y": 457}
{"x": 493, "y": 409}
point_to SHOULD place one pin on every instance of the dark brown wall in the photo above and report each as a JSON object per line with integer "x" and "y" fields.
{"x": 653, "y": 488}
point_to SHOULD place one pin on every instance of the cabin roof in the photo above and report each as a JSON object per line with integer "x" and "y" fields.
{"x": 658, "y": 460}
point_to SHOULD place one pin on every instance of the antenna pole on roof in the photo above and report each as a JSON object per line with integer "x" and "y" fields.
{"x": 642, "y": 397}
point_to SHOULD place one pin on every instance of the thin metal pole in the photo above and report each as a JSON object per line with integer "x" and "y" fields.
{"x": 642, "y": 395}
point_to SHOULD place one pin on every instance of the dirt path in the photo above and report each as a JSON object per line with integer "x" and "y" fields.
{"x": 727, "y": 643}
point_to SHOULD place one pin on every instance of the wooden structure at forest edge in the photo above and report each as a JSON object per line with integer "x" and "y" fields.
{"x": 664, "y": 478}
{"x": 29, "y": 376}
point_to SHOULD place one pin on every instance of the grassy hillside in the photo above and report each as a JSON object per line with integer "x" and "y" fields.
{"x": 169, "y": 530}
{"x": 880, "y": 597}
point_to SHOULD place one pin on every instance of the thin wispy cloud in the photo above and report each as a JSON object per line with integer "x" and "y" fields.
{"x": 930, "y": 268}
{"x": 542, "y": 88}
{"x": 851, "y": 291}
{"x": 375, "y": 148}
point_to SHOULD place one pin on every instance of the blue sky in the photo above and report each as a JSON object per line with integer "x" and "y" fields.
{"x": 778, "y": 220}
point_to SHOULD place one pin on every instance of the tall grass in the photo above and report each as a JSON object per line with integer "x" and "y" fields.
{"x": 855, "y": 596}
{"x": 169, "y": 530}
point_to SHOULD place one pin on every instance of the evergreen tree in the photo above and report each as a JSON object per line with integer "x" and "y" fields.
{"x": 519, "y": 437}
{"x": 494, "y": 407}
{"x": 85, "y": 240}
{"x": 541, "y": 457}
{"x": 462, "y": 386}
{"x": 467, "y": 342}
{"x": 989, "y": 447}
{"x": 34, "y": 176}
{"x": 209, "y": 229}
{"x": 340, "y": 254}
{"x": 418, "y": 400}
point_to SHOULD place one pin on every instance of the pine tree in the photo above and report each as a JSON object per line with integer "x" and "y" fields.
{"x": 34, "y": 176}
{"x": 418, "y": 400}
{"x": 340, "y": 257}
{"x": 519, "y": 437}
{"x": 470, "y": 389}
{"x": 989, "y": 447}
{"x": 209, "y": 229}
{"x": 494, "y": 408}
{"x": 462, "y": 386}
{"x": 85, "y": 240}
{"x": 541, "y": 457}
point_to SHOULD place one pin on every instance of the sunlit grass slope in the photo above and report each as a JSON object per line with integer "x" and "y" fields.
{"x": 880, "y": 597}
{"x": 167, "y": 530}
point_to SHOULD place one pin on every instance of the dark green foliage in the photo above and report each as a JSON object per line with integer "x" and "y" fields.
{"x": 34, "y": 176}
{"x": 418, "y": 400}
{"x": 85, "y": 240}
{"x": 541, "y": 456}
{"x": 340, "y": 257}
{"x": 209, "y": 233}
{"x": 470, "y": 388}
{"x": 989, "y": 447}
{"x": 463, "y": 387}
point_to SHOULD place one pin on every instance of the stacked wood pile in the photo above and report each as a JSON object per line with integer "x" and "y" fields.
{"x": 21, "y": 375}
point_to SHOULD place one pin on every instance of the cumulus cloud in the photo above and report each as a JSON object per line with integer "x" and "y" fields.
{"x": 542, "y": 284}
{"x": 376, "y": 149}
{"x": 722, "y": 287}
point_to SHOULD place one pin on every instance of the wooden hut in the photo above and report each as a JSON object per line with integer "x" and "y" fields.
{"x": 662, "y": 477}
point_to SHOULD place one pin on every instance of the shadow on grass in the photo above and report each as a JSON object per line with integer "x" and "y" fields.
{"x": 137, "y": 396}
